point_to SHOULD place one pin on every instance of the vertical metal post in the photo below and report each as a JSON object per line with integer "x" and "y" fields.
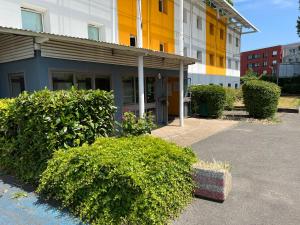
{"x": 181, "y": 94}
{"x": 140, "y": 59}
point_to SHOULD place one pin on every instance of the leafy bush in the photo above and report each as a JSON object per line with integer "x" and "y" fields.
{"x": 4, "y": 104}
{"x": 291, "y": 88}
{"x": 249, "y": 76}
{"x": 132, "y": 126}
{"x": 208, "y": 100}
{"x": 135, "y": 180}
{"x": 261, "y": 98}
{"x": 37, "y": 124}
{"x": 231, "y": 97}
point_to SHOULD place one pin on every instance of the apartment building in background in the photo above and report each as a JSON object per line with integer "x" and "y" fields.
{"x": 146, "y": 51}
{"x": 290, "y": 66}
{"x": 262, "y": 61}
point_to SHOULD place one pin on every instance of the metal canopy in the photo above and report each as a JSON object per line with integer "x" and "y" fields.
{"x": 236, "y": 20}
{"x": 42, "y": 37}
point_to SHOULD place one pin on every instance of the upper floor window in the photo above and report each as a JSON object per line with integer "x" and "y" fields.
{"x": 221, "y": 34}
{"x": 163, "y": 47}
{"x": 230, "y": 38}
{"x": 32, "y": 20}
{"x": 199, "y": 56}
{"x": 237, "y": 42}
{"x": 229, "y": 63}
{"x": 211, "y": 60}
{"x": 211, "y": 29}
{"x": 199, "y": 23}
{"x": 237, "y": 63}
{"x": 274, "y": 53}
{"x": 221, "y": 61}
{"x": 93, "y": 32}
{"x": 163, "y": 6}
{"x": 132, "y": 40}
{"x": 274, "y": 62}
{"x": 185, "y": 51}
{"x": 185, "y": 15}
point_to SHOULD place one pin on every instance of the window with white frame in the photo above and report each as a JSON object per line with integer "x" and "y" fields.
{"x": 237, "y": 65}
{"x": 199, "y": 23}
{"x": 132, "y": 41}
{"x": 93, "y": 32}
{"x": 237, "y": 42}
{"x": 199, "y": 56}
{"x": 274, "y": 62}
{"x": 274, "y": 53}
{"x": 17, "y": 84}
{"x": 32, "y": 20}
{"x": 185, "y": 51}
{"x": 229, "y": 63}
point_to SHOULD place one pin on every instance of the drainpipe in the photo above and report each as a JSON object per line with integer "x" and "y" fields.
{"x": 181, "y": 69}
{"x": 140, "y": 59}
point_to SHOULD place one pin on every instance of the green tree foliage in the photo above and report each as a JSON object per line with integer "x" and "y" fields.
{"x": 137, "y": 180}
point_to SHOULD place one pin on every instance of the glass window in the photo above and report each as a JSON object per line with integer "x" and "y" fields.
{"x": 150, "y": 89}
{"x": 17, "y": 84}
{"x": 199, "y": 23}
{"x": 236, "y": 86}
{"x": 274, "y": 53}
{"x": 32, "y": 20}
{"x": 132, "y": 40}
{"x": 130, "y": 90}
{"x": 185, "y": 15}
{"x": 93, "y": 32}
{"x": 211, "y": 29}
{"x": 185, "y": 51}
{"x": 221, "y": 61}
{"x": 83, "y": 82}
{"x": 162, "y": 6}
{"x": 211, "y": 60}
{"x": 221, "y": 34}
{"x": 199, "y": 56}
{"x": 230, "y": 38}
{"x": 229, "y": 63}
{"x": 237, "y": 65}
{"x": 229, "y": 85}
{"x": 102, "y": 83}
{"x": 237, "y": 42}
{"x": 62, "y": 80}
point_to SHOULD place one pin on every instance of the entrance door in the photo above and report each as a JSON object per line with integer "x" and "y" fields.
{"x": 173, "y": 96}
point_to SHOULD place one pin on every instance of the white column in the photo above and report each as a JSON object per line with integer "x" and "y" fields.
{"x": 181, "y": 40}
{"x": 140, "y": 60}
{"x": 181, "y": 94}
{"x": 115, "y": 34}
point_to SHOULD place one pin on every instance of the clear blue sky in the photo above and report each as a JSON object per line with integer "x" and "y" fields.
{"x": 276, "y": 20}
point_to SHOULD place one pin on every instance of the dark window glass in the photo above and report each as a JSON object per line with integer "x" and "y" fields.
{"x": 17, "y": 84}
{"x": 102, "y": 84}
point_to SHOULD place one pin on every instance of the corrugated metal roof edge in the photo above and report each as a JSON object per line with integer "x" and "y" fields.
{"x": 138, "y": 51}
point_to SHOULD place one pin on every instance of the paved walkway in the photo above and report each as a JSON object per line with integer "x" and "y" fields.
{"x": 266, "y": 175}
{"x": 194, "y": 130}
{"x": 19, "y": 207}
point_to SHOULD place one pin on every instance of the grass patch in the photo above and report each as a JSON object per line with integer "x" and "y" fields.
{"x": 289, "y": 102}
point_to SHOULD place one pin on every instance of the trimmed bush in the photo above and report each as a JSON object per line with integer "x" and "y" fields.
{"x": 38, "y": 124}
{"x": 231, "y": 97}
{"x": 261, "y": 98}
{"x": 208, "y": 100}
{"x": 4, "y": 104}
{"x": 133, "y": 126}
{"x": 136, "y": 180}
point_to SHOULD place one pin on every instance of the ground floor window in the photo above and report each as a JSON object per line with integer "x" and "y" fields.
{"x": 83, "y": 81}
{"x": 17, "y": 84}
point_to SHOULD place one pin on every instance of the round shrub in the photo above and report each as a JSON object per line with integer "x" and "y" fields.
{"x": 38, "y": 124}
{"x": 261, "y": 98}
{"x": 208, "y": 100}
{"x": 136, "y": 180}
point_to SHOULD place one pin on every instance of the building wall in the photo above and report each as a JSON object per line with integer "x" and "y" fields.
{"x": 291, "y": 53}
{"x": 215, "y": 46}
{"x": 158, "y": 27}
{"x": 263, "y": 55}
{"x": 67, "y": 17}
{"x": 233, "y": 53}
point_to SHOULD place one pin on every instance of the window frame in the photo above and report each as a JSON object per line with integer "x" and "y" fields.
{"x": 36, "y": 11}
{"x": 16, "y": 74}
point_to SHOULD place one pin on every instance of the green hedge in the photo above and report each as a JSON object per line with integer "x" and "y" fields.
{"x": 208, "y": 100}
{"x": 261, "y": 98}
{"x": 37, "y": 124}
{"x": 231, "y": 98}
{"x": 136, "y": 180}
{"x": 4, "y": 104}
